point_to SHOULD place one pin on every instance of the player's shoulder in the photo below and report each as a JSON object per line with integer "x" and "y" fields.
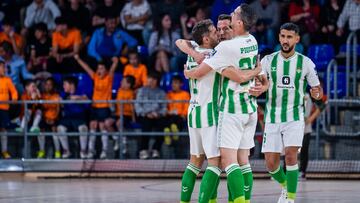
{"x": 307, "y": 62}
{"x": 269, "y": 57}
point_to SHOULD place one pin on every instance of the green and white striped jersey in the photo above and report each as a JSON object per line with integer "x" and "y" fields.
{"x": 240, "y": 52}
{"x": 288, "y": 80}
{"x": 205, "y": 92}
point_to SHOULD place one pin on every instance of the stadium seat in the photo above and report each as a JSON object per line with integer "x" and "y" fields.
{"x": 321, "y": 55}
{"x": 58, "y": 79}
{"x": 116, "y": 83}
{"x": 85, "y": 83}
{"x": 344, "y": 47}
{"x": 341, "y": 84}
{"x": 165, "y": 82}
{"x": 143, "y": 52}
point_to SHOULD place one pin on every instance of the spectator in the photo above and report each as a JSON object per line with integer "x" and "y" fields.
{"x": 125, "y": 93}
{"x": 174, "y": 8}
{"x": 65, "y": 45}
{"x": 100, "y": 112}
{"x": 134, "y": 16}
{"x": 15, "y": 66}
{"x": 42, "y": 11}
{"x": 223, "y": 6}
{"x": 39, "y": 49}
{"x": 78, "y": 16}
{"x": 7, "y": 92}
{"x": 33, "y": 112}
{"x": 268, "y": 21}
{"x": 329, "y": 16}
{"x": 177, "y": 112}
{"x": 73, "y": 117}
{"x": 8, "y": 35}
{"x": 305, "y": 13}
{"x": 351, "y": 12}
{"x": 91, "y": 6}
{"x": 162, "y": 44}
{"x": 151, "y": 115}
{"x": 187, "y": 23}
{"x": 136, "y": 69}
{"x": 108, "y": 8}
{"x": 109, "y": 41}
{"x": 50, "y": 118}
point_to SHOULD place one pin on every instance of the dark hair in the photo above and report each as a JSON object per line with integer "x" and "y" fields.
{"x": 7, "y": 46}
{"x": 28, "y": 82}
{"x": 61, "y": 20}
{"x": 290, "y": 27}
{"x": 177, "y": 78}
{"x": 105, "y": 62}
{"x": 301, "y": 2}
{"x": 159, "y": 27}
{"x": 110, "y": 16}
{"x": 200, "y": 30}
{"x": 71, "y": 80}
{"x": 52, "y": 80}
{"x": 248, "y": 16}
{"x": 133, "y": 51}
{"x": 131, "y": 80}
{"x": 224, "y": 17}
{"x": 154, "y": 75}
{"x": 2, "y": 62}
{"x": 7, "y": 21}
{"x": 41, "y": 27}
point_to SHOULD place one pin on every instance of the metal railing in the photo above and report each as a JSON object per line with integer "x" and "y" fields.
{"x": 351, "y": 53}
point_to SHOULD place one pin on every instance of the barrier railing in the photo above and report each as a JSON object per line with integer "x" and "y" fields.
{"x": 351, "y": 53}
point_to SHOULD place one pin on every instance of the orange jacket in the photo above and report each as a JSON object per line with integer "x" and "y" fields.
{"x": 6, "y": 87}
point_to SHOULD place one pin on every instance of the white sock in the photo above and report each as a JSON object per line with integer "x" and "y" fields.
{"x": 56, "y": 142}
{"x": 4, "y": 142}
{"x": 105, "y": 141}
{"x": 92, "y": 140}
{"x": 83, "y": 130}
{"x": 41, "y": 140}
{"x": 63, "y": 138}
{"x": 37, "y": 119}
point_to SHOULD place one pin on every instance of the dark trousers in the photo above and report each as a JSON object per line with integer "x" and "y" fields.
{"x": 150, "y": 125}
{"x": 304, "y": 155}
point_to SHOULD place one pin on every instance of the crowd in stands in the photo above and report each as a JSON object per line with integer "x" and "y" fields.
{"x": 48, "y": 46}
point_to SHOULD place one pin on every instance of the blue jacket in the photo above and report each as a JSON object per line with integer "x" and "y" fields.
{"x": 120, "y": 38}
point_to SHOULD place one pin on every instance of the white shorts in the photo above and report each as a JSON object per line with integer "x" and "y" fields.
{"x": 236, "y": 131}
{"x": 203, "y": 141}
{"x": 278, "y": 136}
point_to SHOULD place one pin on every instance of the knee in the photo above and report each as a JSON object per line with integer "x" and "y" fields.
{"x": 93, "y": 125}
{"x": 290, "y": 159}
{"x": 83, "y": 129}
{"x": 272, "y": 165}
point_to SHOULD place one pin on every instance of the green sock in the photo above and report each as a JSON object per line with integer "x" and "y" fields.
{"x": 279, "y": 176}
{"x": 235, "y": 181}
{"x": 188, "y": 182}
{"x": 230, "y": 200}
{"x": 248, "y": 181}
{"x": 208, "y": 182}
{"x": 213, "y": 198}
{"x": 292, "y": 175}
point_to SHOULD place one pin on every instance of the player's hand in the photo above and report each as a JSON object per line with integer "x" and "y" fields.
{"x": 258, "y": 89}
{"x": 115, "y": 59}
{"x": 186, "y": 73}
{"x": 258, "y": 68}
{"x": 316, "y": 92}
{"x": 76, "y": 57}
{"x": 199, "y": 57}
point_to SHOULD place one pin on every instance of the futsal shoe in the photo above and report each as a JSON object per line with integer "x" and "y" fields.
{"x": 91, "y": 155}
{"x": 35, "y": 130}
{"x": 66, "y": 154}
{"x": 283, "y": 196}
{"x": 103, "y": 155}
{"x": 144, "y": 154}
{"x": 155, "y": 154}
{"x": 6, "y": 155}
{"x": 41, "y": 154}
{"x": 57, "y": 154}
{"x": 83, "y": 154}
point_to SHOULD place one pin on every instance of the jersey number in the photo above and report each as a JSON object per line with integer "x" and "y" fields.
{"x": 246, "y": 64}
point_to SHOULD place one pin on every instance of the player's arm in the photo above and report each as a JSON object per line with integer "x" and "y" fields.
{"x": 241, "y": 76}
{"x": 114, "y": 65}
{"x": 186, "y": 47}
{"x": 84, "y": 65}
{"x": 198, "y": 72}
{"x": 13, "y": 91}
{"x": 312, "y": 79}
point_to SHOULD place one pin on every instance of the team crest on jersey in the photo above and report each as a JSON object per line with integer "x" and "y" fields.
{"x": 298, "y": 69}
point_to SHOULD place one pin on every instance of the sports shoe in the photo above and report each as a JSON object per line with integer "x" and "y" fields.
{"x": 167, "y": 138}
{"x": 66, "y": 154}
{"x": 19, "y": 129}
{"x": 90, "y": 154}
{"x": 116, "y": 145}
{"x": 83, "y": 154}
{"x": 103, "y": 155}
{"x": 35, "y": 130}
{"x": 283, "y": 196}
{"x": 144, "y": 154}
{"x": 155, "y": 154}
{"x": 57, "y": 154}
{"x": 6, "y": 155}
{"x": 41, "y": 154}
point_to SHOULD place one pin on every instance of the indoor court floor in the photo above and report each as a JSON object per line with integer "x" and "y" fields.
{"x": 162, "y": 191}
